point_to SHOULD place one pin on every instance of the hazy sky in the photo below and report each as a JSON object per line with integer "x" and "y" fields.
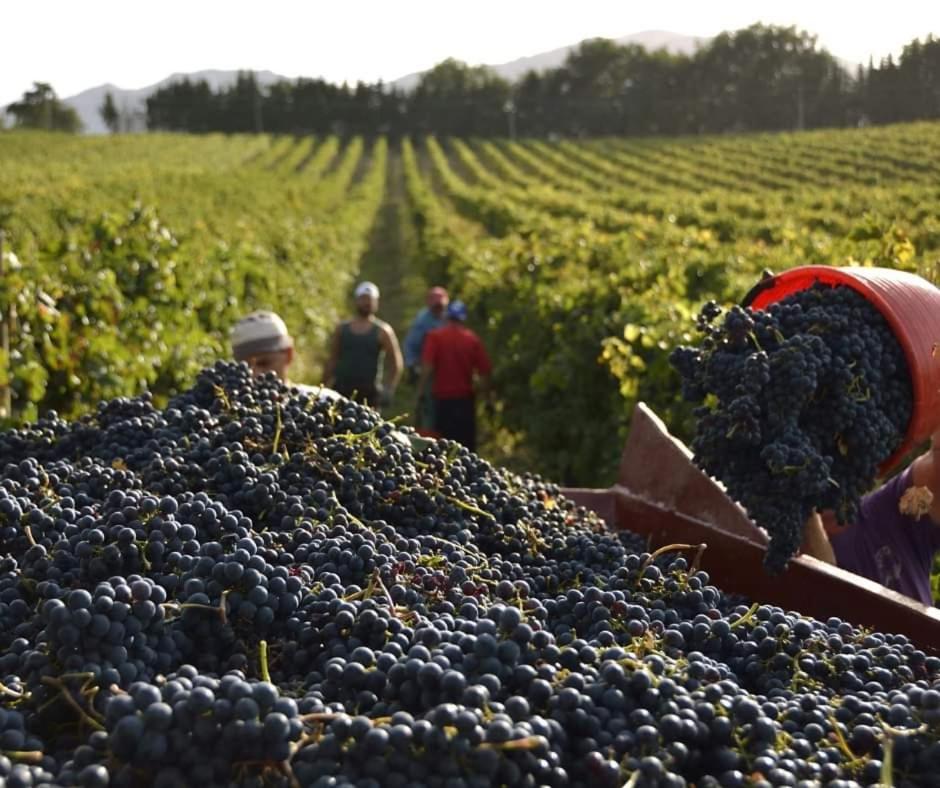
{"x": 77, "y": 44}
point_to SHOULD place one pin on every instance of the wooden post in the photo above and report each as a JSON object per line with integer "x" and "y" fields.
{"x": 6, "y": 397}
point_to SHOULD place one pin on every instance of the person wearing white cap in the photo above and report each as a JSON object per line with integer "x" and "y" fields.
{"x": 359, "y": 350}
{"x": 262, "y": 341}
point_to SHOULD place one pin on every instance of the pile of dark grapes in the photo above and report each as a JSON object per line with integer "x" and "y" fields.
{"x": 255, "y": 586}
{"x": 797, "y": 406}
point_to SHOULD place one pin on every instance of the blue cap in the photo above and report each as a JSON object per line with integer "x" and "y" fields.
{"x": 457, "y": 310}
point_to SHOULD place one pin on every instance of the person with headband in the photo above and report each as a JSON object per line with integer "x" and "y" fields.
{"x": 361, "y": 349}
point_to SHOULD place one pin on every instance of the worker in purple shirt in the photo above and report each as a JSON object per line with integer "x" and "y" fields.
{"x": 886, "y": 544}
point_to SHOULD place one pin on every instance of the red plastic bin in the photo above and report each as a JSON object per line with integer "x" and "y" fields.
{"x": 909, "y": 303}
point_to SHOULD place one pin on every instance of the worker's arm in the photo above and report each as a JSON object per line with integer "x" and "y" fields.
{"x": 426, "y": 370}
{"x": 411, "y": 347}
{"x": 394, "y": 369}
{"x": 428, "y": 363}
{"x": 329, "y": 370}
{"x": 484, "y": 369}
{"x": 816, "y": 542}
{"x": 925, "y": 472}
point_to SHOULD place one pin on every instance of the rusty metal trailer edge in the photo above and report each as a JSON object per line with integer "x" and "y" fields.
{"x": 661, "y": 495}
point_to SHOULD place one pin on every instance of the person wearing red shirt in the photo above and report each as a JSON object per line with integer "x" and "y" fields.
{"x": 454, "y": 355}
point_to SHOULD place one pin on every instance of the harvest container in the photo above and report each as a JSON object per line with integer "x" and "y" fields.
{"x": 909, "y": 303}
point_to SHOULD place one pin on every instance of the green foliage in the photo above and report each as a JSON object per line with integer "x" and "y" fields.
{"x": 908, "y": 89}
{"x": 109, "y": 113}
{"x": 133, "y": 262}
{"x": 474, "y": 98}
{"x": 40, "y": 108}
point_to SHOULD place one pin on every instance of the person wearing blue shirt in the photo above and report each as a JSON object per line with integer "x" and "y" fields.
{"x": 434, "y": 315}
{"x": 431, "y": 317}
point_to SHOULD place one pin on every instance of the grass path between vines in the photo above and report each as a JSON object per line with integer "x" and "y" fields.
{"x": 388, "y": 262}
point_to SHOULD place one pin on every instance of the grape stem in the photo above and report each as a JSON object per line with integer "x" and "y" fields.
{"x": 634, "y": 778}
{"x": 887, "y": 763}
{"x": 84, "y": 715}
{"x": 892, "y": 731}
{"x": 263, "y": 657}
{"x": 377, "y": 580}
{"x": 669, "y": 548}
{"x": 24, "y": 756}
{"x": 468, "y": 507}
{"x": 747, "y": 617}
{"x": 277, "y": 427}
{"x": 322, "y": 716}
{"x": 177, "y": 607}
{"x": 376, "y": 586}
{"x": 698, "y": 558}
{"x": 11, "y": 693}
{"x": 853, "y": 760}
{"x": 527, "y": 743}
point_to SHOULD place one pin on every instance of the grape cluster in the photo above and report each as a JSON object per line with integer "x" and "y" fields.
{"x": 255, "y": 586}
{"x": 797, "y": 406}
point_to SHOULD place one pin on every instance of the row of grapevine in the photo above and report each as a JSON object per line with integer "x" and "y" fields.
{"x": 128, "y": 259}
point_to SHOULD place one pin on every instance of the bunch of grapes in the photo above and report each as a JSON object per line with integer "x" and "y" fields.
{"x": 797, "y": 406}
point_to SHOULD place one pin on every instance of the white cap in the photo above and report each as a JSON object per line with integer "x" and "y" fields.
{"x": 366, "y": 288}
{"x": 259, "y": 332}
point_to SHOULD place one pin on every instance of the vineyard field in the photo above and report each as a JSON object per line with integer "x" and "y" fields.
{"x": 583, "y": 262}
{"x": 133, "y": 256}
{"x": 587, "y": 261}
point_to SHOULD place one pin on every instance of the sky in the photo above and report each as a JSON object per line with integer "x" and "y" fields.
{"x": 78, "y": 44}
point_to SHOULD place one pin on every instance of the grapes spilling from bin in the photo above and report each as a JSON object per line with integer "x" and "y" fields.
{"x": 253, "y": 586}
{"x": 797, "y": 406}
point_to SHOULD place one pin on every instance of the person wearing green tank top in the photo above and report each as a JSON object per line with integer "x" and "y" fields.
{"x": 365, "y": 361}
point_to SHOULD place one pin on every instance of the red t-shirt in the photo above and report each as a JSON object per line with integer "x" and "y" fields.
{"x": 454, "y": 352}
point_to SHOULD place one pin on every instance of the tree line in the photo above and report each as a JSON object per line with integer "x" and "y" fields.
{"x": 40, "y": 108}
{"x": 760, "y": 78}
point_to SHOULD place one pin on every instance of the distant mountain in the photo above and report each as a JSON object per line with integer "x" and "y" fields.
{"x": 650, "y": 39}
{"x": 132, "y": 104}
